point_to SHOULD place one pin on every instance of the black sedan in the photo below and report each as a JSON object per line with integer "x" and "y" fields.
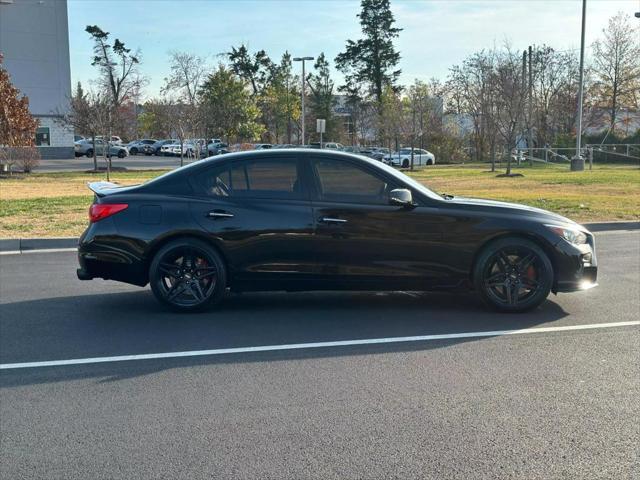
{"x": 315, "y": 220}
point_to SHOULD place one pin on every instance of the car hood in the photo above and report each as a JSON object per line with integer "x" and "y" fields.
{"x": 506, "y": 207}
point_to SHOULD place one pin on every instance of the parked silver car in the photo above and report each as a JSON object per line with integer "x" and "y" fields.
{"x": 141, "y": 146}
{"x": 85, "y": 147}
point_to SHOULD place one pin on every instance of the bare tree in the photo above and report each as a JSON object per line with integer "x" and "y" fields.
{"x": 471, "y": 91}
{"x": 616, "y": 66}
{"x": 89, "y": 114}
{"x": 509, "y": 96}
{"x": 187, "y": 74}
{"x": 554, "y": 93}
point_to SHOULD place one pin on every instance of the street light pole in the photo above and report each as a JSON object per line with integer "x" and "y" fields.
{"x": 303, "y": 59}
{"x": 577, "y": 162}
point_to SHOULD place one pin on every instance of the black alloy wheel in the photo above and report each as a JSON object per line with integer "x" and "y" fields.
{"x": 133, "y": 151}
{"x": 188, "y": 275}
{"x": 121, "y": 154}
{"x": 513, "y": 275}
{"x": 89, "y": 153}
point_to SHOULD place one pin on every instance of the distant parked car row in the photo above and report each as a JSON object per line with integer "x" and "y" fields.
{"x": 193, "y": 147}
{"x": 203, "y": 148}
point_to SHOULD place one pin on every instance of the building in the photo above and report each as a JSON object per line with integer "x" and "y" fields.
{"x": 34, "y": 39}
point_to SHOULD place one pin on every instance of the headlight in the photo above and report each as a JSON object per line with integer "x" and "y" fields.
{"x": 570, "y": 234}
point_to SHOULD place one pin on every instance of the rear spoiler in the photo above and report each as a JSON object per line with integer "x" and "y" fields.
{"x": 102, "y": 188}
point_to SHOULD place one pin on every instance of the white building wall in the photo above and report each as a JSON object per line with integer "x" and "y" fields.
{"x": 34, "y": 40}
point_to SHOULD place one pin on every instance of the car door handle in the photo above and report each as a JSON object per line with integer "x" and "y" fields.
{"x": 219, "y": 214}
{"x": 332, "y": 220}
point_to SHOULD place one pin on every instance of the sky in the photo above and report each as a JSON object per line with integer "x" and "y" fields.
{"x": 435, "y": 35}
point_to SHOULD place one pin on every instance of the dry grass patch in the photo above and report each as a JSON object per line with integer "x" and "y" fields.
{"x": 56, "y": 204}
{"x": 606, "y": 193}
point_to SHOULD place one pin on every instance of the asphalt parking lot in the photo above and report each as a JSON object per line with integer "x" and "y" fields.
{"x": 558, "y": 401}
{"x": 132, "y": 162}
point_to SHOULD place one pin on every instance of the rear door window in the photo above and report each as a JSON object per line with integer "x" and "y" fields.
{"x": 277, "y": 178}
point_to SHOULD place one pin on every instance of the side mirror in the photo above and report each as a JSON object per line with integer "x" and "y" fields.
{"x": 401, "y": 197}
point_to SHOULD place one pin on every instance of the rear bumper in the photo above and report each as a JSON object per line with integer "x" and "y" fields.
{"x": 110, "y": 256}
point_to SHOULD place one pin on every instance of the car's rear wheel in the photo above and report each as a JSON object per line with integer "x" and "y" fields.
{"x": 513, "y": 275}
{"x": 133, "y": 151}
{"x": 121, "y": 154}
{"x": 405, "y": 163}
{"x": 188, "y": 275}
{"x": 89, "y": 153}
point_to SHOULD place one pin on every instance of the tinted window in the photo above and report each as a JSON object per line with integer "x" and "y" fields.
{"x": 269, "y": 178}
{"x": 344, "y": 182}
{"x": 216, "y": 182}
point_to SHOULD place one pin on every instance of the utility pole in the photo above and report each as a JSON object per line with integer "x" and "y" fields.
{"x": 413, "y": 133}
{"x": 524, "y": 89}
{"x": 304, "y": 81}
{"x": 530, "y": 139}
{"x": 577, "y": 162}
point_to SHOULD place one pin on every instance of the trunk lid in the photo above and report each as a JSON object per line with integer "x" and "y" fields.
{"x": 102, "y": 189}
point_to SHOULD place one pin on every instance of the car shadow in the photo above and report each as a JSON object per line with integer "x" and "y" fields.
{"x": 133, "y": 323}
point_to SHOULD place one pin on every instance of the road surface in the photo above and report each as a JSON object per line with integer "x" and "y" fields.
{"x": 556, "y": 400}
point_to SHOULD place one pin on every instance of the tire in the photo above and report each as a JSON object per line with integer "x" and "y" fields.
{"x": 188, "y": 275}
{"x": 89, "y": 153}
{"x": 133, "y": 151}
{"x": 405, "y": 163}
{"x": 429, "y": 162}
{"x": 513, "y": 275}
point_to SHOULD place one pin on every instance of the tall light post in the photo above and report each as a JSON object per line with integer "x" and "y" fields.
{"x": 577, "y": 162}
{"x": 303, "y": 59}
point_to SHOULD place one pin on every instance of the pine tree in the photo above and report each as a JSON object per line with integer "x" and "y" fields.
{"x": 372, "y": 59}
{"x": 322, "y": 99}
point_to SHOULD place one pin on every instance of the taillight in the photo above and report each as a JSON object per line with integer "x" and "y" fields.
{"x": 98, "y": 211}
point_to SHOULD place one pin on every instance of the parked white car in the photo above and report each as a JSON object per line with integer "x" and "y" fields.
{"x": 402, "y": 158}
{"x": 189, "y": 148}
{"x": 115, "y": 140}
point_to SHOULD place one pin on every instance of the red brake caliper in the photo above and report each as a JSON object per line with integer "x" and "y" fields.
{"x": 531, "y": 273}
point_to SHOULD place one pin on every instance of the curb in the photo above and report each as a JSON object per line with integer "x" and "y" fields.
{"x": 608, "y": 226}
{"x": 28, "y": 244}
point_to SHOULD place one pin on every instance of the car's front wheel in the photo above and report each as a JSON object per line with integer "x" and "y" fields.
{"x": 122, "y": 154}
{"x": 89, "y": 153}
{"x": 188, "y": 275}
{"x": 513, "y": 275}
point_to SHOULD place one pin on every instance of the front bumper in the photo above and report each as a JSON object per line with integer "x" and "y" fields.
{"x": 576, "y": 266}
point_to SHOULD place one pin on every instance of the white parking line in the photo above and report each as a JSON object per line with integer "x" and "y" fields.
{"x": 301, "y": 346}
